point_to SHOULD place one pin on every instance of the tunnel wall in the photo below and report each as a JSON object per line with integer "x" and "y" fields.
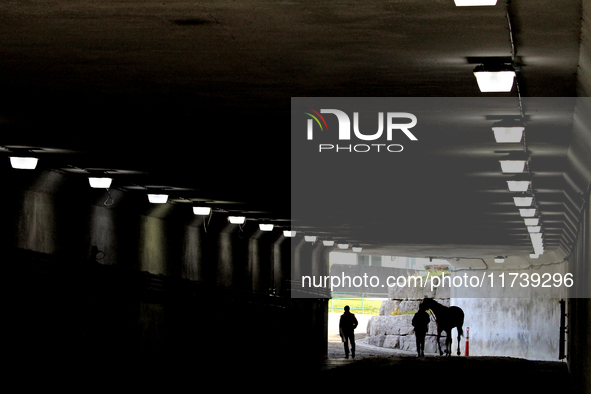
{"x": 135, "y": 283}
{"x": 579, "y": 159}
{"x": 522, "y": 322}
{"x": 524, "y": 328}
{"x": 579, "y": 308}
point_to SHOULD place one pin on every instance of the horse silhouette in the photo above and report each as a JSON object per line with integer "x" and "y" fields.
{"x": 446, "y": 318}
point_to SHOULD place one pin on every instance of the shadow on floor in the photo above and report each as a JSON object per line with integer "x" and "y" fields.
{"x": 456, "y": 374}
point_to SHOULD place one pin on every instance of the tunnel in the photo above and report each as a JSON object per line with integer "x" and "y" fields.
{"x": 164, "y": 231}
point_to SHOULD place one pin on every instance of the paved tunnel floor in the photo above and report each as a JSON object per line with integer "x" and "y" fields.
{"x": 240, "y": 370}
{"x": 404, "y": 372}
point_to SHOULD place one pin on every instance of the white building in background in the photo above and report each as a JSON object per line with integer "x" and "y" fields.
{"x": 415, "y": 263}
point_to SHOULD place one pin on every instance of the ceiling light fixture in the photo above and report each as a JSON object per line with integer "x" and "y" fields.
{"x": 523, "y": 201}
{"x": 518, "y": 186}
{"x": 527, "y": 212}
{"x": 534, "y": 256}
{"x": 539, "y": 248}
{"x": 23, "y": 163}
{"x": 100, "y": 182}
{"x": 537, "y": 242}
{"x": 289, "y": 233}
{"x": 204, "y": 211}
{"x": 499, "y": 259}
{"x": 310, "y": 238}
{"x": 494, "y": 78}
{"x": 328, "y": 242}
{"x": 532, "y": 221}
{"x": 512, "y": 166}
{"x": 534, "y": 229}
{"x": 158, "y": 198}
{"x": 468, "y": 3}
{"x": 265, "y": 227}
{"x": 343, "y": 246}
{"x": 508, "y": 131}
{"x": 236, "y": 219}
{"x": 356, "y": 249}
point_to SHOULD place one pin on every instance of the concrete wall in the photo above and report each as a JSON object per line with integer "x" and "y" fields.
{"x": 513, "y": 327}
{"x": 514, "y": 321}
{"x": 579, "y": 154}
{"x": 133, "y": 280}
{"x": 579, "y": 308}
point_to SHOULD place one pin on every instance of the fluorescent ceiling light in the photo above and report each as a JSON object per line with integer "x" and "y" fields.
{"x": 265, "y": 227}
{"x": 289, "y": 234}
{"x": 527, "y": 212}
{"x": 534, "y": 256}
{"x": 236, "y": 219}
{"x": 24, "y": 163}
{"x": 499, "y": 259}
{"x": 512, "y": 166}
{"x": 518, "y": 186}
{"x": 494, "y": 80}
{"x": 534, "y": 229}
{"x": 506, "y": 132}
{"x": 343, "y": 246}
{"x": 467, "y": 3}
{"x": 158, "y": 198}
{"x": 357, "y": 249}
{"x": 100, "y": 183}
{"x": 531, "y": 221}
{"x": 201, "y": 210}
{"x": 523, "y": 201}
{"x": 327, "y": 242}
{"x": 310, "y": 238}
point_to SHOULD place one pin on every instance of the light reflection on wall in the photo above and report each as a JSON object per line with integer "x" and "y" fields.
{"x": 191, "y": 253}
{"x": 102, "y": 230}
{"x": 152, "y": 246}
{"x": 225, "y": 259}
{"x": 36, "y": 228}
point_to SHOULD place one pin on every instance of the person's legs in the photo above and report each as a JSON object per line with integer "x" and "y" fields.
{"x": 421, "y": 343}
{"x": 351, "y": 337}
{"x": 346, "y": 343}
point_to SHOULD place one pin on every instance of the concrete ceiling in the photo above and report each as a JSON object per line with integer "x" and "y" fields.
{"x": 196, "y": 96}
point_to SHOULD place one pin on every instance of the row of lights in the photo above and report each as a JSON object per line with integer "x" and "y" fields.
{"x": 500, "y": 78}
{"x": 30, "y": 163}
{"x": 497, "y": 79}
{"x": 330, "y": 242}
{"x": 513, "y": 132}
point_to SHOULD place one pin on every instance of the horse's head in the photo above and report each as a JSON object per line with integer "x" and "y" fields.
{"x": 428, "y": 303}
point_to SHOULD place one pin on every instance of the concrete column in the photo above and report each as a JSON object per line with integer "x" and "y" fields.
{"x": 233, "y": 256}
{"x": 282, "y": 252}
{"x": 261, "y": 254}
{"x": 299, "y": 246}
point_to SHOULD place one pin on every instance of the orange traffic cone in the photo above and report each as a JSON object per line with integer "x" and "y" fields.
{"x": 467, "y": 351}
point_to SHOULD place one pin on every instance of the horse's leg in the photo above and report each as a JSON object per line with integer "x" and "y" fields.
{"x": 448, "y": 344}
{"x": 459, "y": 336}
{"x": 439, "y": 343}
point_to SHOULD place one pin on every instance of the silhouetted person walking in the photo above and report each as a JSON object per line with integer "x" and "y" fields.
{"x": 347, "y": 326}
{"x": 420, "y": 322}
